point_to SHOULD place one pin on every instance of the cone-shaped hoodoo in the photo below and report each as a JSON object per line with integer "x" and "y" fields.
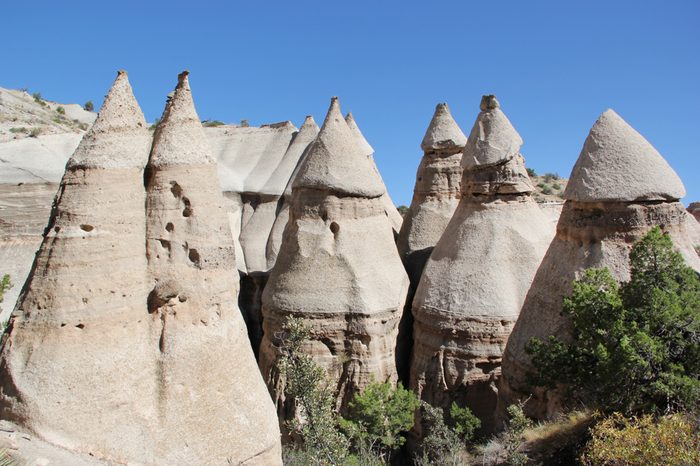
{"x": 435, "y": 198}
{"x": 436, "y": 192}
{"x": 337, "y": 269}
{"x": 208, "y": 380}
{"x": 301, "y": 144}
{"x": 264, "y": 226}
{"x": 389, "y": 206}
{"x": 478, "y": 274}
{"x": 76, "y": 368}
{"x": 612, "y": 200}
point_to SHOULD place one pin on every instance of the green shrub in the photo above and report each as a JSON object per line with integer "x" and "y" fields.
{"x": 35, "y": 132}
{"x": 5, "y": 284}
{"x": 440, "y": 444}
{"x": 61, "y": 110}
{"x": 379, "y": 415}
{"x": 402, "y": 210}
{"x": 306, "y": 384}
{"x": 463, "y": 422}
{"x": 212, "y": 123}
{"x": 546, "y": 189}
{"x": 549, "y": 177}
{"x": 89, "y": 106}
{"x": 531, "y": 172}
{"x": 244, "y": 123}
{"x": 556, "y": 186}
{"x": 635, "y": 347}
{"x": 37, "y": 98}
{"x": 617, "y": 440}
{"x": 19, "y": 130}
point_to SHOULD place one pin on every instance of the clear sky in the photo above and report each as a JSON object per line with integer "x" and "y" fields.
{"x": 555, "y": 66}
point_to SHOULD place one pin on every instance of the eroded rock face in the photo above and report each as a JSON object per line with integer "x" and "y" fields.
{"x": 208, "y": 380}
{"x": 337, "y": 269}
{"x": 478, "y": 274}
{"x": 78, "y": 367}
{"x": 598, "y": 226}
{"x": 694, "y": 210}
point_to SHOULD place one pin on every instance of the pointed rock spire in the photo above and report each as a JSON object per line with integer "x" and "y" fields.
{"x": 82, "y": 314}
{"x": 618, "y": 164}
{"x": 336, "y": 162}
{"x": 179, "y": 138}
{"x": 443, "y": 131}
{"x": 193, "y": 306}
{"x": 365, "y": 147}
{"x": 478, "y": 274}
{"x": 116, "y": 137}
{"x": 492, "y": 161}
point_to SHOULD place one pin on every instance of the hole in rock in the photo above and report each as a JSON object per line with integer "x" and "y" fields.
{"x": 187, "y": 211}
{"x": 170, "y": 227}
{"x": 80, "y": 326}
{"x": 164, "y": 243}
{"x": 175, "y": 189}
{"x": 335, "y": 228}
{"x": 194, "y": 257}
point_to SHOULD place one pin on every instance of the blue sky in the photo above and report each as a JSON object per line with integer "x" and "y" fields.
{"x": 555, "y": 66}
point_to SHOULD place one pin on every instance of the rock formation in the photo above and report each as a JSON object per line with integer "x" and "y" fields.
{"x": 435, "y": 198}
{"x": 389, "y": 206}
{"x": 211, "y": 401}
{"x": 298, "y": 149}
{"x": 436, "y": 192}
{"x": 337, "y": 268}
{"x": 77, "y": 365}
{"x": 477, "y": 276}
{"x": 619, "y": 189}
{"x": 268, "y": 204}
{"x": 694, "y": 209}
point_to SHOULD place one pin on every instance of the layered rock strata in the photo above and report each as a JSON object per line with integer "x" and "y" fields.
{"x": 211, "y": 403}
{"x": 479, "y": 272}
{"x": 77, "y": 366}
{"x": 389, "y": 207}
{"x": 337, "y": 269}
{"x": 619, "y": 189}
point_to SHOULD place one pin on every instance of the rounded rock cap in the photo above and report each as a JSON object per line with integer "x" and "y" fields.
{"x": 618, "y": 164}
{"x": 336, "y": 163}
{"x": 493, "y": 138}
{"x": 443, "y": 131}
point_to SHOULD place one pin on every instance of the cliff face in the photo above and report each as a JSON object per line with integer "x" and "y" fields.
{"x": 324, "y": 273}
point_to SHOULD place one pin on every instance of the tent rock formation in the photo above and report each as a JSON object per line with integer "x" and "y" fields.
{"x": 114, "y": 366}
{"x": 479, "y": 272}
{"x": 337, "y": 269}
{"x": 619, "y": 189}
